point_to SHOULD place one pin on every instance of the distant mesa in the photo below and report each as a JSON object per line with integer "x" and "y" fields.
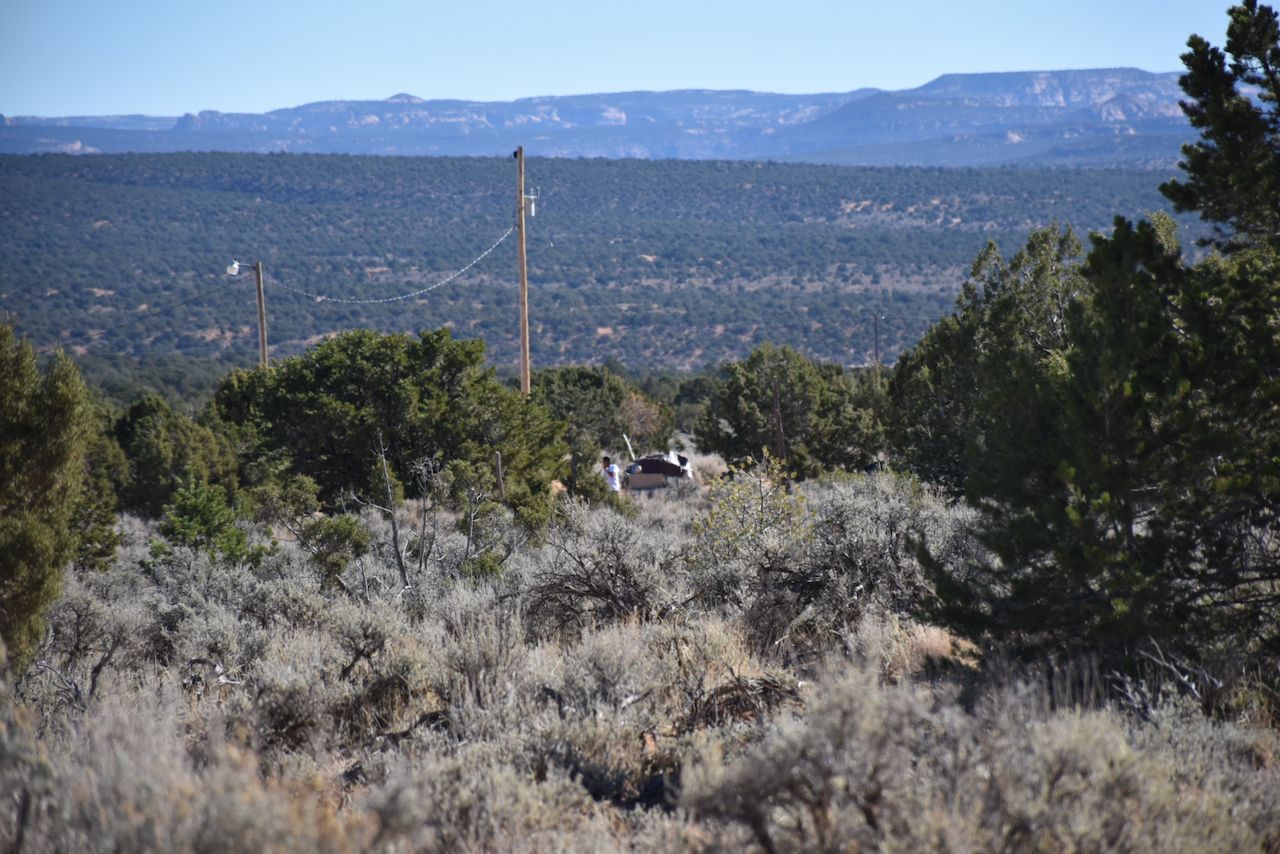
{"x": 1057, "y": 118}
{"x": 206, "y": 120}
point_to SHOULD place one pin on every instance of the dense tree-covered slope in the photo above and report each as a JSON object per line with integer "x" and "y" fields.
{"x": 661, "y": 263}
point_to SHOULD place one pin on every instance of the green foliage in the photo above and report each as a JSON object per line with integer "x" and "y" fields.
{"x": 333, "y": 542}
{"x": 811, "y": 417}
{"x": 750, "y": 513}
{"x": 471, "y": 492}
{"x": 754, "y": 527}
{"x": 330, "y": 542}
{"x": 649, "y": 422}
{"x": 1128, "y": 496}
{"x": 852, "y": 432}
{"x": 180, "y": 378}
{"x": 599, "y": 407}
{"x": 932, "y": 395}
{"x": 46, "y": 426}
{"x": 95, "y": 518}
{"x": 202, "y": 519}
{"x": 957, "y": 395}
{"x": 584, "y": 478}
{"x": 690, "y": 398}
{"x": 1132, "y": 498}
{"x": 284, "y": 501}
{"x": 332, "y": 412}
{"x": 1115, "y": 428}
{"x": 588, "y": 400}
{"x": 162, "y": 446}
{"x": 1233, "y": 170}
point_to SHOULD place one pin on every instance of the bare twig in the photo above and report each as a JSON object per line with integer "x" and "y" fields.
{"x": 70, "y": 688}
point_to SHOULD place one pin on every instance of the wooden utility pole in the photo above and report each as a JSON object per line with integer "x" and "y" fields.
{"x": 524, "y": 275}
{"x": 262, "y": 316}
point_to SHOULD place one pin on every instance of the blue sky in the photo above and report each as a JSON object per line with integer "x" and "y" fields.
{"x": 93, "y": 57}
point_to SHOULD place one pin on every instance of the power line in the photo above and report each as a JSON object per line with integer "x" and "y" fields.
{"x": 420, "y": 292}
{"x": 90, "y": 336}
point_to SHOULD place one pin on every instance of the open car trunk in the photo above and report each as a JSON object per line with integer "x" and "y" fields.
{"x": 657, "y": 471}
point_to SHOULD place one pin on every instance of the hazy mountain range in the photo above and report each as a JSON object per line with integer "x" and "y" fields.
{"x": 1102, "y": 117}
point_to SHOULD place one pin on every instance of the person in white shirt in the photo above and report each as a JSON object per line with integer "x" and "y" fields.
{"x": 611, "y": 475}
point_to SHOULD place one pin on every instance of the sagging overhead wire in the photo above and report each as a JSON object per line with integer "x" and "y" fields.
{"x": 90, "y": 336}
{"x": 411, "y": 295}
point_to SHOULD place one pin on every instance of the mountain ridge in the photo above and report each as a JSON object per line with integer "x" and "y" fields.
{"x": 1092, "y": 117}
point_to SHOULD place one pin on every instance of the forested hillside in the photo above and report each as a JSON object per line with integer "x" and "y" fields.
{"x": 652, "y": 263}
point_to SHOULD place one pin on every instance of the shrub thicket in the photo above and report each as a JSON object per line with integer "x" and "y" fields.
{"x": 605, "y": 690}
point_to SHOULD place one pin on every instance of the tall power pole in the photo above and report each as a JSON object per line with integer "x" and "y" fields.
{"x": 524, "y": 275}
{"x": 262, "y": 316}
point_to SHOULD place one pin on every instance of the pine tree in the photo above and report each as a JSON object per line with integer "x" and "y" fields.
{"x": 163, "y": 446}
{"x": 1233, "y": 170}
{"x": 958, "y": 394}
{"x": 1135, "y": 499}
{"x": 1140, "y": 506}
{"x": 811, "y": 417}
{"x": 202, "y": 519}
{"x": 331, "y": 412}
{"x": 45, "y": 426}
{"x": 95, "y": 517}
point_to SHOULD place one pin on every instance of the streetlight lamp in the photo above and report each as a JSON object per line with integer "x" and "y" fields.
{"x": 234, "y": 270}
